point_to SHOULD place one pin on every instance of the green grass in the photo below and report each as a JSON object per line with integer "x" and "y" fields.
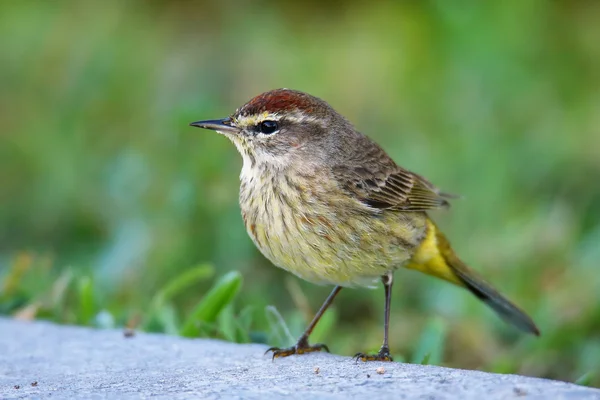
{"x": 115, "y": 213}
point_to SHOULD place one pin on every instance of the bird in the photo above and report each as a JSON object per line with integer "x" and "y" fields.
{"x": 326, "y": 203}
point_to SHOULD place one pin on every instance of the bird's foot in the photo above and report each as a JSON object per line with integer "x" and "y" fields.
{"x": 383, "y": 355}
{"x": 302, "y": 347}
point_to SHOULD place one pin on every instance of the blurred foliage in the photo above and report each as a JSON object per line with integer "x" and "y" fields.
{"x": 109, "y": 199}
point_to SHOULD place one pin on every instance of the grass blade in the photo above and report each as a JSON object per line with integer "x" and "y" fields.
{"x": 85, "y": 289}
{"x": 158, "y": 318}
{"x": 182, "y": 282}
{"x": 278, "y": 329}
{"x": 430, "y": 348}
{"x": 586, "y": 379}
{"x": 217, "y": 298}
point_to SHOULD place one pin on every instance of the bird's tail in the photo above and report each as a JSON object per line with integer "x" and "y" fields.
{"x": 435, "y": 257}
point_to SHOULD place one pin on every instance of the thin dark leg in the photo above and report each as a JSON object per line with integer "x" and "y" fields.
{"x": 319, "y": 314}
{"x": 302, "y": 345}
{"x": 384, "y": 352}
{"x": 387, "y": 280}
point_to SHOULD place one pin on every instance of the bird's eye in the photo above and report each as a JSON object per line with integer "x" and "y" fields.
{"x": 268, "y": 127}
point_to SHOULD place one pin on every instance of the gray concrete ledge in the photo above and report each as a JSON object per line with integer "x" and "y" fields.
{"x": 43, "y": 360}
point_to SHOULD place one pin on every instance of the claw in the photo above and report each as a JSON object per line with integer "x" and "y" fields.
{"x": 313, "y": 348}
{"x": 273, "y": 349}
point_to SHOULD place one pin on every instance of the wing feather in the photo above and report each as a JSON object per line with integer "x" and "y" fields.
{"x": 380, "y": 183}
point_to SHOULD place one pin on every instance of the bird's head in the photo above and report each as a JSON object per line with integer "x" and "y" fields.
{"x": 279, "y": 127}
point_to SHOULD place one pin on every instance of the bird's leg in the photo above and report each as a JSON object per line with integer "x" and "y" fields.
{"x": 384, "y": 352}
{"x": 302, "y": 345}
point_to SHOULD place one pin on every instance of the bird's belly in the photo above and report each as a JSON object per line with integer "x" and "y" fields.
{"x": 339, "y": 245}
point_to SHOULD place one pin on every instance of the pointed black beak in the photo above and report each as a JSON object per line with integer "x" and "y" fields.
{"x": 219, "y": 125}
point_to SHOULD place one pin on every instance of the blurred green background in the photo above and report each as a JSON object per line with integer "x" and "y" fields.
{"x": 114, "y": 212}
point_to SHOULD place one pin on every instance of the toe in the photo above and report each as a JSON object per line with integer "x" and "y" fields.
{"x": 297, "y": 349}
{"x": 284, "y": 353}
{"x": 312, "y": 349}
{"x": 322, "y": 346}
{"x": 372, "y": 357}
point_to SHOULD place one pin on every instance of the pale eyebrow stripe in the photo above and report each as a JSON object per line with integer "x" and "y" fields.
{"x": 252, "y": 120}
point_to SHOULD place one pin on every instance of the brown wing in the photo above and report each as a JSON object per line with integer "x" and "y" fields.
{"x": 380, "y": 183}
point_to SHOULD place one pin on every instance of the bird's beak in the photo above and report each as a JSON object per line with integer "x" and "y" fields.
{"x": 220, "y": 125}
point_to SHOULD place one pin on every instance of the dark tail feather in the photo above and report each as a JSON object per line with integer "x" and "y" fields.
{"x": 486, "y": 293}
{"x": 503, "y": 307}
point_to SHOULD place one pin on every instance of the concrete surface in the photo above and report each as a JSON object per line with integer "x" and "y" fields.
{"x": 43, "y": 360}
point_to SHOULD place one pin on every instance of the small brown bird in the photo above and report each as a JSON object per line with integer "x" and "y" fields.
{"x": 323, "y": 201}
